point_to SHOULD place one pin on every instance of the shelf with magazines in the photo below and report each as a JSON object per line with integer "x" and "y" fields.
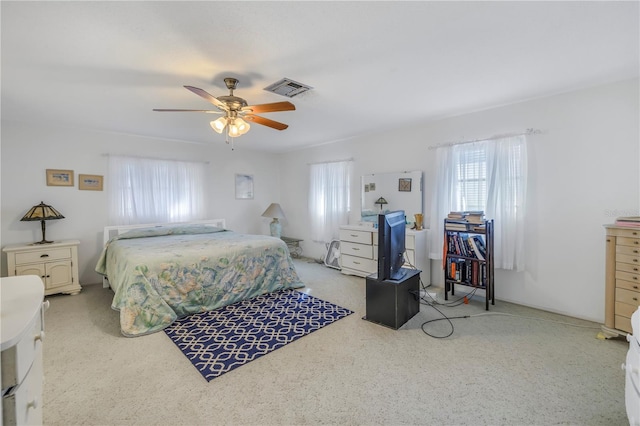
{"x": 468, "y": 255}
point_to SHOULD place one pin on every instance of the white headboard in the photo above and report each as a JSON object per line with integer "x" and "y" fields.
{"x": 111, "y": 231}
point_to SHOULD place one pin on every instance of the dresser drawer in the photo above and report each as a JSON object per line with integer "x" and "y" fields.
{"x": 359, "y": 250}
{"x": 358, "y": 263}
{"x": 629, "y": 250}
{"x": 626, "y": 241}
{"x": 43, "y": 255}
{"x": 362, "y": 237}
{"x": 627, "y": 296}
{"x": 627, "y": 276}
{"x": 624, "y": 232}
{"x": 628, "y": 258}
{"x": 625, "y": 310}
{"x": 623, "y": 323}
{"x": 17, "y": 360}
{"x": 633, "y": 267}
{"x": 629, "y": 285}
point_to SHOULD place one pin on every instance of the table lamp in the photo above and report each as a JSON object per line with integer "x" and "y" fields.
{"x": 276, "y": 213}
{"x": 381, "y": 201}
{"x": 42, "y": 212}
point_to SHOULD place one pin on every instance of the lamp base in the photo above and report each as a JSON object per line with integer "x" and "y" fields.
{"x": 43, "y": 242}
{"x": 275, "y": 228}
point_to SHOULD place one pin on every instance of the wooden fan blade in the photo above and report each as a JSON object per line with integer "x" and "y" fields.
{"x": 188, "y": 110}
{"x": 266, "y": 122}
{"x": 207, "y": 96}
{"x": 274, "y": 107}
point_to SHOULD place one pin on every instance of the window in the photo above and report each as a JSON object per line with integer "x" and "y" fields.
{"x": 490, "y": 176}
{"x": 144, "y": 190}
{"x": 328, "y": 199}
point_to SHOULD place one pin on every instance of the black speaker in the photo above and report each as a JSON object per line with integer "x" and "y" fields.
{"x": 392, "y": 303}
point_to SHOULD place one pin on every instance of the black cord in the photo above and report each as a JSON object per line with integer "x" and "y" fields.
{"x": 433, "y": 304}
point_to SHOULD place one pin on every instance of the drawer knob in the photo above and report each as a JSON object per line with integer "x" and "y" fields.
{"x": 32, "y": 404}
{"x": 356, "y": 249}
{"x": 635, "y": 269}
{"x": 635, "y": 298}
{"x": 635, "y": 287}
{"x": 39, "y": 336}
{"x": 44, "y": 255}
{"x": 357, "y": 263}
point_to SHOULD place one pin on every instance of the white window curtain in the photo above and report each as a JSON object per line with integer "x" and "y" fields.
{"x": 145, "y": 190}
{"x": 329, "y": 199}
{"x": 491, "y": 176}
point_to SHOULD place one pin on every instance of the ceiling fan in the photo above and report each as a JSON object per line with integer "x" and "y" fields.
{"x": 236, "y": 111}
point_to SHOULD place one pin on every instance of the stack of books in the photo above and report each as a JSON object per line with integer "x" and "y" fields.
{"x": 628, "y": 221}
{"x": 465, "y": 221}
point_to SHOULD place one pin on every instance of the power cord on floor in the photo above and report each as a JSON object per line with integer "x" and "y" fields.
{"x": 461, "y": 300}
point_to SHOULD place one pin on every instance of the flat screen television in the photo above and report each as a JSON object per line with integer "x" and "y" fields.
{"x": 391, "y": 240}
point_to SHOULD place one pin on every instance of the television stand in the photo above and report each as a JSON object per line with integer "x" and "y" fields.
{"x": 392, "y": 303}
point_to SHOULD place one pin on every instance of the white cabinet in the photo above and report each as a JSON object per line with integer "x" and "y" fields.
{"x": 21, "y": 357}
{"x": 359, "y": 251}
{"x": 56, "y": 264}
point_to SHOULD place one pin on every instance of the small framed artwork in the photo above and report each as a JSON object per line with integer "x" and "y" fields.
{"x": 244, "y": 187}
{"x": 372, "y": 187}
{"x": 366, "y": 187}
{"x": 404, "y": 184}
{"x": 90, "y": 182}
{"x": 57, "y": 177}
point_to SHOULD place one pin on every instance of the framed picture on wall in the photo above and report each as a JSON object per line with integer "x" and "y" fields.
{"x": 404, "y": 185}
{"x": 244, "y": 187}
{"x": 90, "y": 182}
{"x": 56, "y": 177}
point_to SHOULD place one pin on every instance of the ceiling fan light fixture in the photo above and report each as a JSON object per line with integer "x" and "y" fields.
{"x": 219, "y": 124}
{"x": 243, "y": 126}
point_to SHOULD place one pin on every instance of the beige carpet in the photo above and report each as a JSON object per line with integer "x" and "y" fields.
{"x": 493, "y": 370}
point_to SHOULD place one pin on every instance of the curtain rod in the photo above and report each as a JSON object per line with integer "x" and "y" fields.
{"x": 330, "y": 161}
{"x": 154, "y": 158}
{"x": 527, "y": 132}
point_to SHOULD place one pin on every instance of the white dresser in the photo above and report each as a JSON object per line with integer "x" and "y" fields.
{"x": 21, "y": 311}
{"x": 359, "y": 251}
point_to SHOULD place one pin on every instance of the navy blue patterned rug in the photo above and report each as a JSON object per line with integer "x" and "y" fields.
{"x": 219, "y": 341}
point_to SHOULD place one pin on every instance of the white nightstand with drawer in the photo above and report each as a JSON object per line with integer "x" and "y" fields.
{"x": 56, "y": 264}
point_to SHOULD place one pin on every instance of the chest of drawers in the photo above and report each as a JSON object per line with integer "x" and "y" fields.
{"x": 359, "y": 251}
{"x": 622, "y": 278}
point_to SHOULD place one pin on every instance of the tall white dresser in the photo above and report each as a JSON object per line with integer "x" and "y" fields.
{"x": 632, "y": 372}
{"x": 21, "y": 310}
{"x": 359, "y": 251}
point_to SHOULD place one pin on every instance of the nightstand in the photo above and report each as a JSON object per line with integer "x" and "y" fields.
{"x": 55, "y": 263}
{"x": 294, "y": 246}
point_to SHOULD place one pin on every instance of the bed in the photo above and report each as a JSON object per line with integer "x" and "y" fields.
{"x": 162, "y": 272}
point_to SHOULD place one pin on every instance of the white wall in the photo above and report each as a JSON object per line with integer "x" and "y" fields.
{"x": 28, "y": 150}
{"x": 583, "y": 172}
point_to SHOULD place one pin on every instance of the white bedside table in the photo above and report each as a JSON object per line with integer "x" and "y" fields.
{"x": 55, "y": 263}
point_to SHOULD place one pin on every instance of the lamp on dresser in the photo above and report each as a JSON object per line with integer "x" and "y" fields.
{"x": 381, "y": 201}
{"x": 42, "y": 212}
{"x": 274, "y": 211}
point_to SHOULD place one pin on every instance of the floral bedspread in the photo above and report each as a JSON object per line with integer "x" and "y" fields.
{"x": 161, "y": 274}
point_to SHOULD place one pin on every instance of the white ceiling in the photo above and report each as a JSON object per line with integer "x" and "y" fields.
{"x": 373, "y": 65}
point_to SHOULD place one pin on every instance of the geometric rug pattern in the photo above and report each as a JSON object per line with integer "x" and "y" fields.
{"x": 224, "y": 339}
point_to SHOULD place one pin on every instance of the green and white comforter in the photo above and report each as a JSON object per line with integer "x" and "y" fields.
{"x": 161, "y": 274}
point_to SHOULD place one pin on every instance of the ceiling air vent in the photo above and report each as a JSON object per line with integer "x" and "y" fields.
{"x": 287, "y": 87}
